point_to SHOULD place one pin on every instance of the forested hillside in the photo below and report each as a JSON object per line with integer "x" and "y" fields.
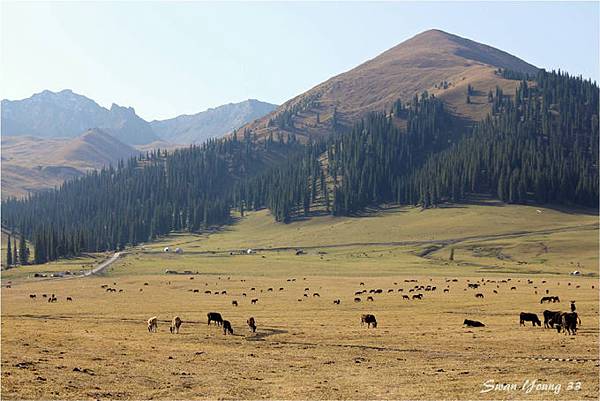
{"x": 140, "y": 199}
{"x": 539, "y": 145}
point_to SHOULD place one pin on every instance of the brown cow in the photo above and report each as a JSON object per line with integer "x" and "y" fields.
{"x": 175, "y": 324}
{"x": 227, "y": 327}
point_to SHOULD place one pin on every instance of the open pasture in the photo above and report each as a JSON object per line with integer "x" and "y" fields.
{"x": 98, "y": 346}
{"x": 306, "y": 346}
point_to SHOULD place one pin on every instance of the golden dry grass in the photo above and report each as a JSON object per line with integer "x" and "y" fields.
{"x": 313, "y": 349}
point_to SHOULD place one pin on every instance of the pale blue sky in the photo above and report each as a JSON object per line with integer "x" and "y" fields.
{"x": 166, "y": 59}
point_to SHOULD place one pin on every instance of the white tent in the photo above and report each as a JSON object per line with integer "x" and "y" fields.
{"x": 178, "y": 250}
{"x": 166, "y": 249}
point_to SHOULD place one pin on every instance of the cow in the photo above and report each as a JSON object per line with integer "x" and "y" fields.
{"x": 546, "y": 299}
{"x": 270, "y": 289}
{"x": 244, "y": 294}
{"x": 234, "y": 303}
{"x": 254, "y": 301}
{"x": 513, "y": 288}
{"x": 473, "y": 285}
{"x": 417, "y": 296}
{"x": 215, "y": 317}
{"x": 370, "y": 299}
{"x": 358, "y": 292}
{"x": 479, "y": 295}
{"x": 32, "y": 296}
{"x": 153, "y": 324}
{"x": 446, "y": 290}
{"x": 175, "y": 325}
{"x": 529, "y": 317}
{"x": 227, "y": 327}
{"x": 369, "y": 320}
{"x": 196, "y": 290}
{"x": 405, "y": 297}
{"x": 280, "y": 288}
{"x": 551, "y": 318}
{"x": 495, "y": 292}
{"x": 357, "y": 299}
{"x": 251, "y": 324}
{"x": 69, "y": 299}
{"x": 568, "y": 323}
{"x": 337, "y": 301}
{"x": 316, "y": 294}
{"x": 473, "y": 323}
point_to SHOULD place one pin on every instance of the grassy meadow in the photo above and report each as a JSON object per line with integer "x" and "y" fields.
{"x": 306, "y": 347}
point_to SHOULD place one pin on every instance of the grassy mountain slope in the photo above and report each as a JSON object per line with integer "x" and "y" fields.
{"x": 31, "y": 164}
{"x": 434, "y": 61}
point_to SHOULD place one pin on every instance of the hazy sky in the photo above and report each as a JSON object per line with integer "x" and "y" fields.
{"x": 166, "y": 59}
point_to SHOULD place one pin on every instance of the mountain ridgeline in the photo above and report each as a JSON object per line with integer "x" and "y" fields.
{"x": 538, "y": 145}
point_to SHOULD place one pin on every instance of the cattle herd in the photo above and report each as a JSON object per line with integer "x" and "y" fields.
{"x": 566, "y": 322}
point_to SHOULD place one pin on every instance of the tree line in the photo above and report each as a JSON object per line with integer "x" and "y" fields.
{"x": 539, "y": 145}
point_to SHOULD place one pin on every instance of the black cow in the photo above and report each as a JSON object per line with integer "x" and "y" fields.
{"x": 252, "y": 324}
{"x": 568, "y": 323}
{"x": 337, "y": 302}
{"x": 227, "y": 327}
{"x": 234, "y": 303}
{"x": 369, "y": 320}
{"x": 215, "y": 317}
{"x": 551, "y": 318}
{"x": 473, "y": 323}
{"x": 479, "y": 295}
{"x": 529, "y": 317}
{"x": 356, "y": 299}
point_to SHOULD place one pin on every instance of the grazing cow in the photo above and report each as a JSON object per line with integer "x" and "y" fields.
{"x": 32, "y": 296}
{"x": 369, "y": 320}
{"x": 234, "y": 303}
{"x": 370, "y": 299}
{"x": 551, "y": 318}
{"x": 546, "y": 299}
{"x": 479, "y": 295}
{"x": 307, "y": 289}
{"x": 280, "y": 288}
{"x": 252, "y": 289}
{"x": 473, "y": 323}
{"x": 44, "y": 295}
{"x": 473, "y": 285}
{"x": 356, "y": 299}
{"x": 568, "y": 324}
{"x": 270, "y": 289}
{"x": 196, "y": 290}
{"x": 305, "y": 295}
{"x": 418, "y": 296}
{"x": 243, "y": 294}
{"x": 495, "y": 292}
{"x": 337, "y": 302}
{"x": 316, "y": 294}
{"x": 175, "y": 325}
{"x": 405, "y": 297}
{"x": 446, "y": 290}
{"x": 254, "y": 301}
{"x": 400, "y": 289}
{"x": 223, "y": 292}
{"x": 145, "y": 283}
{"x": 227, "y": 327}
{"x": 358, "y": 293}
{"x": 215, "y": 317}
{"x": 390, "y": 291}
{"x": 153, "y": 324}
{"x": 251, "y": 324}
{"x": 529, "y": 317}
{"x": 361, "y": 283}
{"x": 69, "y": 299}
{"x": 378, "y": 291}
{"x": 513, "y": 288}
